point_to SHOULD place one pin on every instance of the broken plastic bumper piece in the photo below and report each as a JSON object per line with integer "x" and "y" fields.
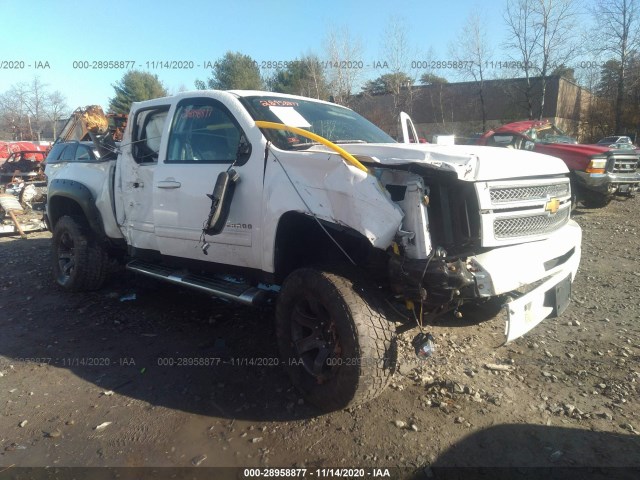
{"x": 550, "y": 298}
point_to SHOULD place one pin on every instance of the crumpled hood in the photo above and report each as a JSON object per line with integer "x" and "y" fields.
{"x": 469, "y": 162}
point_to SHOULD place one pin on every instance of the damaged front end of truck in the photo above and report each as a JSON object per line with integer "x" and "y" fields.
{"x": 447, "y": 225}
{"x": 479, "y": 224}
{"x": 459, "y": 225}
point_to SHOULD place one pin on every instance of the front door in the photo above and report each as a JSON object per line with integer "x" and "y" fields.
{"x": 203, "y": 141}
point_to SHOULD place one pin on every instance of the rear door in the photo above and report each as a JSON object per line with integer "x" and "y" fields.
{"x": 135, "y": 173}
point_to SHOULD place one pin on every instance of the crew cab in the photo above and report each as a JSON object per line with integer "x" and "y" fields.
{"x": 261, "y": 198}
{"x": 598, "y": 173}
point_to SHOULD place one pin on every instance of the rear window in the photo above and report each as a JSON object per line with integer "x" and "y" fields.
{"x": 54, "y": 154}
{"x": 72, "y": 152}
{"x": 68, "y": 153}
{"x": 84, "y": 154}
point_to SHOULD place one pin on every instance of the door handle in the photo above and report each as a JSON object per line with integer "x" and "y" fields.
{"x": 168, "y": 184}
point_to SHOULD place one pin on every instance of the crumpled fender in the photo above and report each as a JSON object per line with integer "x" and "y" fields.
{"x": 333, "y": 191}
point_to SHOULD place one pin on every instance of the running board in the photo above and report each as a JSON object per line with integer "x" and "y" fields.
{"x": 217, "y": 286}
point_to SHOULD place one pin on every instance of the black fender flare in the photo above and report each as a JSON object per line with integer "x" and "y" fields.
{"x": 81, "y": 195}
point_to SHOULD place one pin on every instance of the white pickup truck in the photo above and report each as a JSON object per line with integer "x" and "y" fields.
{"x": 258, "y": 197}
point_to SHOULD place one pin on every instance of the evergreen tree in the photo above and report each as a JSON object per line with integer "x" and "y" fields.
{"x": 135, "y": 86}
{"x": 235, "y": 71}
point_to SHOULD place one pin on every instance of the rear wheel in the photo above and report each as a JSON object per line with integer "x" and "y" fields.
{"x": 336, "y": 343}
{"x": 79, "y": 262}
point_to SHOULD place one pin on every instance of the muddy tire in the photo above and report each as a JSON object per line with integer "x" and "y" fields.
{"x": 336, "y": 344}
{"x": 79, "y": 263}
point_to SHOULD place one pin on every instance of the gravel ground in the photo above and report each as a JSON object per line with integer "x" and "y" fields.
{"x": 86, "y": 379}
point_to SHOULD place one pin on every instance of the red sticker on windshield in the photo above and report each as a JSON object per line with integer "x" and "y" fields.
{"x": 203, "y": 112}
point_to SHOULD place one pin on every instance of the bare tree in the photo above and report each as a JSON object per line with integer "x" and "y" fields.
{"x": 524, "y": 38}
{"x": 343, "y": 63}
{"x": 395, "y": 45}
{"x": 556, "y": 47}
{"x": 472, "y": 51}
{"x": 397, "y": 54}
{"x": 26, "y": 107}
{"x": 541, "y": 39}
{"x": 13, "y": 112}
{"x": 316, "y": 78}
{"x": 36, "y": 102}
{"x": 57, "y": 109}
{"x": 619, "y": 35}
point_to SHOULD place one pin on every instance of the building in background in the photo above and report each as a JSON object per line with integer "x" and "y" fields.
{"x": 455, "y": 108}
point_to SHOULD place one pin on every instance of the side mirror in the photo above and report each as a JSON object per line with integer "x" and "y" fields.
{"x": 221, "y": 198}
{"x": 244, "y": 150}
{"x": 528, "y": 145}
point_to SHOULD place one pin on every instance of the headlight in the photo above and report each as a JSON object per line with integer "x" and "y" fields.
{"x": 597, "y": 165}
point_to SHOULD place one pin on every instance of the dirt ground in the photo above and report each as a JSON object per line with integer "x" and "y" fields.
{"x": 87, "y": 380}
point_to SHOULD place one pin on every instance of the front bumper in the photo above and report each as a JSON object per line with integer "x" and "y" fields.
{"x": 524, "y": 313}
{"x": 550, "y": 264}
{"x": 609, "y": 183}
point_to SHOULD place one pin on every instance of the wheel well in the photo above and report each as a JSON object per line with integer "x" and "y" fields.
{"x": 69, "y": 197}
{"x": 301, "y": 242}
{"x": 61, "y": 206}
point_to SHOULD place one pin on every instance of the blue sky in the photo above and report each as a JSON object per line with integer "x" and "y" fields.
{"x": 198, "y": 31}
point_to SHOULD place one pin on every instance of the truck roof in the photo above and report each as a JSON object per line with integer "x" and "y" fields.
{"x": 236, "y": 93}
{"x": 260, "y": 93}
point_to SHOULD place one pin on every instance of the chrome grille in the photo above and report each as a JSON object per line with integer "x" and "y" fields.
{"x": 525, "y": 193}
{"x": 530, "y": 225}
{"x": 625, "y": 165}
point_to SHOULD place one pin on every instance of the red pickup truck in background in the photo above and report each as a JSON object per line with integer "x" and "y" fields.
{"x": 598, "y": 173}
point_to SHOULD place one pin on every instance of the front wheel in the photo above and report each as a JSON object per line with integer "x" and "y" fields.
{"x": 337, "y": 345}
{"x": 596, "y": 200}
{"x": 79, "y": 263}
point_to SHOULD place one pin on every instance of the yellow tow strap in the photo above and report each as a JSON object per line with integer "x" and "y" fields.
{"x": 317, "y": 138}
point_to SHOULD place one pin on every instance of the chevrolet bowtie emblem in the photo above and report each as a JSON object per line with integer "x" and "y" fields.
{"x": 552, "y": 206}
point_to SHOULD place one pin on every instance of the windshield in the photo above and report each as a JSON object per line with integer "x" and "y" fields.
{"x": 333, "y": 122}
{"x": 619, "y": 140}
{"x": 622, "y": 146}
{"x": 549, "y": 134}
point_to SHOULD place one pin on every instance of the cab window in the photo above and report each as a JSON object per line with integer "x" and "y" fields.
{"x": 203, "y": 130}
